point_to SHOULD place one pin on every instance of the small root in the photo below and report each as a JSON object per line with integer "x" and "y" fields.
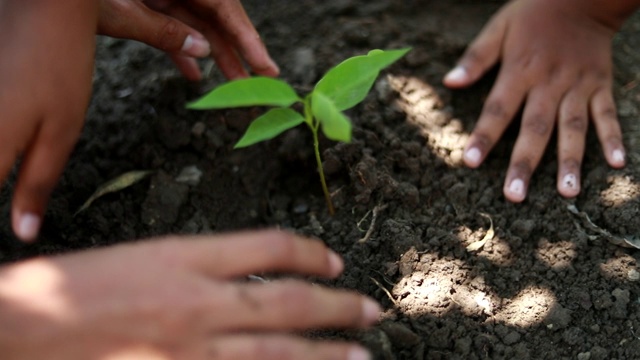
{"x": 359, "y": 224}
{"x": 376, "y": 211}
{"x": 393, "y": 300}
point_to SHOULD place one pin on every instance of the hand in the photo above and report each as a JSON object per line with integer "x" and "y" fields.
{"x": 46, "y": 65}
{"x": 176, "y": 299}
{"x": 556, "y": 58}
{"x": 189, "y": 29}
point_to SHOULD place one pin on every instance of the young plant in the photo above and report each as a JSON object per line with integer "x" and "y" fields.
{"x": 341, "y": 88}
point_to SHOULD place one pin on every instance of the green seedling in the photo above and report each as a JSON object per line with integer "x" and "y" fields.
{"x": 341, "y": 88}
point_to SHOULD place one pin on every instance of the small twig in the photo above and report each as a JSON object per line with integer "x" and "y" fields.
{"x": 394, "y": 301}
{"x": 376, "y": 210}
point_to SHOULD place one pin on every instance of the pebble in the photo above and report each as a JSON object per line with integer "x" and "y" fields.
{"x": 190, "y": 175}
{"x": 584, "y": 356}
{"x": 198, "y": 129}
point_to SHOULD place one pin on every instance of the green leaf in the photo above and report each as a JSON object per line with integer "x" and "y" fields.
{"x": 271, "y": 124}
{"x": 335, "y": 125}
{"x": 255, "y": 91}
{"x": 348, "y": 83}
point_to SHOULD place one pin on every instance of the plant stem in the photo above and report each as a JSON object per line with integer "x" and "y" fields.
{"x": 314, "y": 125}
{"x": 327, "y": 196}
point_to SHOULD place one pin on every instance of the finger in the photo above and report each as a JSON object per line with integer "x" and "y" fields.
{"x": 538, "y": 120}
{"x": 133, "y": 20}
{"x": 10, "y": 138}
{"x": 187, "y": 66}
{"x": 573, "y": 122}
{"x": 498, "y": 111}
{"x": 480, "y": 56}
{"x": 289, "y": 305}
{"x": 221, "y": 50}
{"x": 225, "y": 56}
{"x": 605, "y": 119}
{"x": 280, "y": 347}
{"x": 17, "y": 123}
{"x": 240, "y": 254}
{"x": 236, "y": 26}
{"x": 40, "y": 169}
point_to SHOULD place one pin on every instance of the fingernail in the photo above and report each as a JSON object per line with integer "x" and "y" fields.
{"x": 472, "y": 156}
{"x": 618, "y": 156}
{"x": 517, "y": 188}
{"x": 457, "y": 74}
{"x": 358, "y": 353}
{"x": 196, "y": 46}
{"x": 570, "y": 182}
{"x": 28, "y": 227}
{"x": 275, "y": 66}
{"x": 336, "y": 263}
{"x": 370, "y": 311}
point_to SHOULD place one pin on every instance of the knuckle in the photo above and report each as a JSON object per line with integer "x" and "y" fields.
{"x": 169, "y": 33}
{"x": 601, "y": 76}
{"x": 495, "y": 109}
{"x": 576, "y": 123}
{"x": 538, "y": 125}
{"x": 522, "y": 169}
{"x": 608, "y": 113}
{"x": 121, "y": 6}
{"x": 553, "y": 73}
{"x": 571, "y": 165}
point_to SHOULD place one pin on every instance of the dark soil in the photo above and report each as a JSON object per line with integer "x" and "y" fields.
{"x": 544, "y": 287}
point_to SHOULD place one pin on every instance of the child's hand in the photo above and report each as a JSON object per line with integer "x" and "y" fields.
{"x": 556, "y": 59}
{"x": 189, "y": 29}
{"x": 179, "y": 298}
{"x": 46, "y": 63}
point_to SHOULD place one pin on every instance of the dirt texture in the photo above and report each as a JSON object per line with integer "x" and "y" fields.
{"x": 463, "y": 273}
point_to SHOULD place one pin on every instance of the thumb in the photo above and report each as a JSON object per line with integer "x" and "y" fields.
{"x": 133, "y": 20}
{"x": 479, "y": 57}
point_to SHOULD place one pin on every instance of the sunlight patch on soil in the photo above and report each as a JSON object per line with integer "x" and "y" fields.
{"x": 428, "y": 292}
{"x": 556, "y": 255}
{"x": 530, "y": 307}
{"x": 622, "y": 188}
{"x": 424, "y": 108}
{"x": 496, "y": 250}
{"x": 623, "y": 269}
